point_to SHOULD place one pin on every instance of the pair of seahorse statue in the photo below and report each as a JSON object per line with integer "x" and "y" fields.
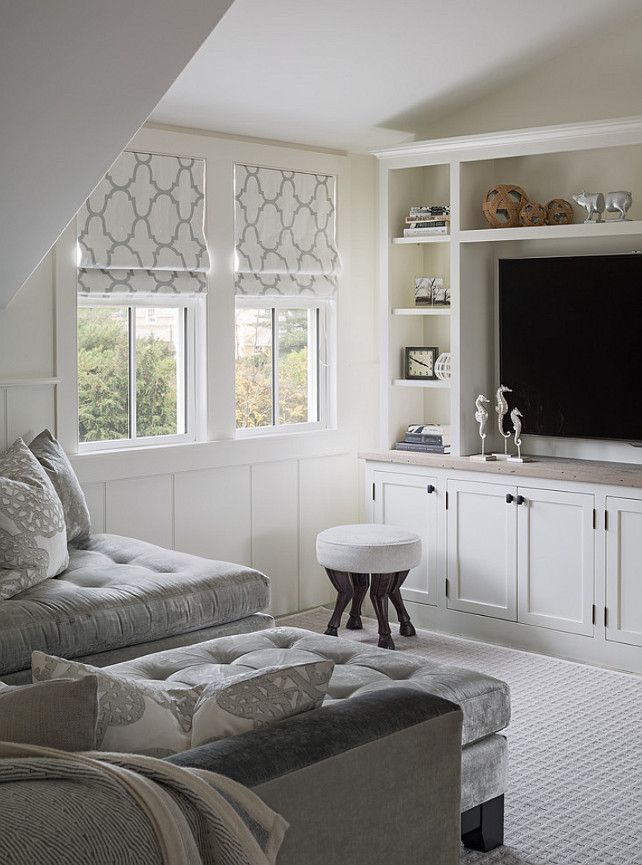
{"x": 501, "y": 407}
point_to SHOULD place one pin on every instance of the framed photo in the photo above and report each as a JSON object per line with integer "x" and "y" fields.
{"x": 419, "y": 362}
{"x": 441, "y": 295}
{"x": 425, "y": 288}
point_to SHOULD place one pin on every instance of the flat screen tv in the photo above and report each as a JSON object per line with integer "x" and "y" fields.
{"x": 570, "y": 344}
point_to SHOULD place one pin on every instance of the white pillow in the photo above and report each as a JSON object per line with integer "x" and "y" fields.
{"x": 33, "y": 535}
{"x": 259, "y": 699}
{"x": 134, "y": 717}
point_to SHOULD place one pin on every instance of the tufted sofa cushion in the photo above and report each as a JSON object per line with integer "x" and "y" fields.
{"x": 119, "y": 591}
{"x": 485, "y": 701}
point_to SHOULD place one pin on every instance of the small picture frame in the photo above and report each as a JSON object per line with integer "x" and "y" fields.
{"x": 419, "y": 362}
{"x": 425, "y": 288}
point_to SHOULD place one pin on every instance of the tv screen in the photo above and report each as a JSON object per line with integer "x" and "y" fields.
{"x": 570, "y": 344}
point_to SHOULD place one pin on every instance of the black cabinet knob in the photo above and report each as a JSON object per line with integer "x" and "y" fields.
{"x": 509, "y": 498}
{"x": 430, "y": 488}
{"x": 520, "y": 500}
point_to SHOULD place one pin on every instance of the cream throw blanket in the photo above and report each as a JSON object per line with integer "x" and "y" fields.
{"x": 60, "y": 807}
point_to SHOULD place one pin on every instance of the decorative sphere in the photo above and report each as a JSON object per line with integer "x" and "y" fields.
{"x": 443, "y": 366}
{"x": 502, "y": 205}
{"x": 559, "y": 211}
{"x": 533, "y": 213}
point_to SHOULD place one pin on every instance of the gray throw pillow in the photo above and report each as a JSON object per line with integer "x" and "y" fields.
{"x": 60, "y": 714}
{"x": 33, "y": 538}
{"x": 54, "y": 460}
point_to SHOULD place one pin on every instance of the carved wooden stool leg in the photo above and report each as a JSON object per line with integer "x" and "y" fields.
{"x": 406, "y": 628}
{"x": 379, "y": 597}
{"x": 360, "y": 583}
{"x": 343, "y": 584}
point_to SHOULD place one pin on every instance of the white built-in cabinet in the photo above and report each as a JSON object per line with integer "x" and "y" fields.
{"x": 540, "y": 564}
{"x": 624, "y": 570}
{"x": 410, "y": 501}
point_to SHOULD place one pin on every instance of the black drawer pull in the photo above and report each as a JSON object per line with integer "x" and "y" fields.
{"x": 430, "y": 488}
{"x": 509, "y": 498}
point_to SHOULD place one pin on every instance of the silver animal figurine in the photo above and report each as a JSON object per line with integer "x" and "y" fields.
{"x": 618, "y": 202}
{"x": 481, "y": 416}
{"x": 516, "y": 418}
{"x": 592, "y": 202}
{"x": 501, "y": 407}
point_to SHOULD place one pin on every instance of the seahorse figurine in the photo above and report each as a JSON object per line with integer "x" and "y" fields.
{"x": 501, "y": 407}
{"x": 515, "y": 417}
{"x": 481, "y": 416}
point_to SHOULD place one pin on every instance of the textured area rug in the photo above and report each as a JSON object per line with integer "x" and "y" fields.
{"x": 575, "y": 746}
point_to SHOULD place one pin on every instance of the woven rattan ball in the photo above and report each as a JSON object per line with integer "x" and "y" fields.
{"x": 559, "y": 212}
{"x": 502, "y": 205}
{"x": 533, "y": 213}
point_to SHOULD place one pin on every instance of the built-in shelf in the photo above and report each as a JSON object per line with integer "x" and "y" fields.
{"x": 610, "y": 228}
{"x": 410, "y": 382}
{"x": 437, "y": 238}
{"x": 418, "y": 310}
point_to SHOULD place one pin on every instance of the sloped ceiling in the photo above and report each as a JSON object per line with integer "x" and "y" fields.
{"x": 77, "y": 79}
{"x": 357, "y": 74}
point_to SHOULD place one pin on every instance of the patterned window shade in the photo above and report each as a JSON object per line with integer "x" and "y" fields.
{"x": 285, "y": 232}
{"x": 141, "y": 230}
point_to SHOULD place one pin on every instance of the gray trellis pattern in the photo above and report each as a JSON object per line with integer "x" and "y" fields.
{"x": 285, "y": 232}
{"x": 141, "y": 230}
{"x": 33, "y": 536}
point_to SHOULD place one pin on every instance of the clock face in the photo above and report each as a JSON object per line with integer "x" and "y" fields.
{"x": 420, "y": 362}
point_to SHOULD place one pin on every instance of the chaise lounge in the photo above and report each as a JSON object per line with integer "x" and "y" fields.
{"x": 121, "y": 598}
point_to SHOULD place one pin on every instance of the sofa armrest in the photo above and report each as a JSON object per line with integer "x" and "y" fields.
{"x": 372, "y": 779}
{"x": 259, "y": 756}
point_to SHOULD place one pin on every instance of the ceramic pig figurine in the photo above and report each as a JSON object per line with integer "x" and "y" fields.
{"x": 593, "y": 202}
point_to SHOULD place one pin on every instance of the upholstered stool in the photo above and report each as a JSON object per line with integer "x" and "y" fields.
{"x": 350, "y": 555}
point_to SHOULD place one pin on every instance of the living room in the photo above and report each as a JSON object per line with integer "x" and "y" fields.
{"x": 281, "y": 341}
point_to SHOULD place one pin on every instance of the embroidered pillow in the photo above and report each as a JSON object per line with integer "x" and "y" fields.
{"x": 259, "y": 699}
{"x": 134, "y": 717}
{"x": 54, "y": 461}
{"x": 33, "y": 537}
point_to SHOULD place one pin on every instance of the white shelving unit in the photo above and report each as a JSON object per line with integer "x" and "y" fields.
{"x": 548, "y": 162}
{"x": 411, "y": 382}
{"x": 418, "y": 310}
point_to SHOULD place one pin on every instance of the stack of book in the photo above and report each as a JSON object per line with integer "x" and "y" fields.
{"x": 428, "y": 219}
{"x": 426, "y": 438}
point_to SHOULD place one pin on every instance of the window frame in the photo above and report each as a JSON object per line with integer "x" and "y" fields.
{"x": 192, "y": 352}
{"x": 324, "y": 366}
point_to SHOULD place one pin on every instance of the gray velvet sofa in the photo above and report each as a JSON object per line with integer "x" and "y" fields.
{"x": 121, "y": 598}
{"x": 364, "y": 749}
{"x": 374, "y": 780}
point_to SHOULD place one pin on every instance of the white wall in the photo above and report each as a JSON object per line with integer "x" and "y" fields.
{"x": 594, "y": 78}
{"x": 79, "y": 77}
{"x": 259, "y": 502}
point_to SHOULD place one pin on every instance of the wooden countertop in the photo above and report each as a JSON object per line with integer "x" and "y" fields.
{"x": 553, "y": 468}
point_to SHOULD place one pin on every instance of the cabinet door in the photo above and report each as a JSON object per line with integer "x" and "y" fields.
{"x": 624, "y": 571}
{"x": 556, "y": 560}
{"x": 404, "y": 500}
{"x": 482, "y": 549}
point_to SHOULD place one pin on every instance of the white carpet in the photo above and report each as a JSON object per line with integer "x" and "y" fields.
{"x": 575, "y": 745}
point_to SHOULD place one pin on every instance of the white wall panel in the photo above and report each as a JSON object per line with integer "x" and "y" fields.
{"x": 95, "y": 496}
{"x": 328, "y": 497}
{"x": 142, "y": 508}
{"x": 213, "y": 513}
{"x": 275, "y": 522}
{"x": 29, "y": 411}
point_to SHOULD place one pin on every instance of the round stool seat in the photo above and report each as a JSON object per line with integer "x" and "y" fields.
{"x": 368, "y": 548}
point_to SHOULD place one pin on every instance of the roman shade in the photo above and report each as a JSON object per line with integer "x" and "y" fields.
{"x": 141, "y": 230}
{"x": 285, "y": 233}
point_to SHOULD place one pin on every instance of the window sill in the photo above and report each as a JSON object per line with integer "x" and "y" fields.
{"x": 121, "y": 463}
